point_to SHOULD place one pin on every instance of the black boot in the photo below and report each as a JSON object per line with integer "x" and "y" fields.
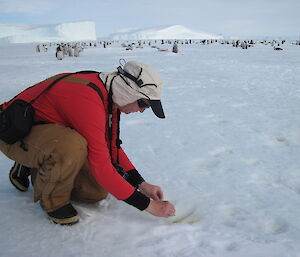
{"x": 18, "y": 176}
{"x": 66, "y": 215}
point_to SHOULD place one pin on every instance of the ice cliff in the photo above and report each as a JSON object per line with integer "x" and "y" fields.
{"x": 171, "y": 32}
{"x": 27, "y": 33}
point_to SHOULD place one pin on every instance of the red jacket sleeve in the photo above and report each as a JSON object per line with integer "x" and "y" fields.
{"x": 124, "y": 161}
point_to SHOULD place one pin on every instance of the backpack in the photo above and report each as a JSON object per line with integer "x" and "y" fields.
{"x": 17, "y": 119}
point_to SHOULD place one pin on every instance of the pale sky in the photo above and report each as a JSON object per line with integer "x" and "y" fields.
{"x": 248, "y": 18}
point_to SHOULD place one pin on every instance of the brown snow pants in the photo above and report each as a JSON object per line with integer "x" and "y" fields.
{"x": 60, "y": 171}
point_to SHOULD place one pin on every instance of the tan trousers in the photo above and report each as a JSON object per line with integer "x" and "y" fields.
{"x": 58, "y": 156}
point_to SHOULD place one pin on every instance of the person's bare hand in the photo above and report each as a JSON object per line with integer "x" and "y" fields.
{"x": 152, "y": 191}
{"x": 161, "y": 209}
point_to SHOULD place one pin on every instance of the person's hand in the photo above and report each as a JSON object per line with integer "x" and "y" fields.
{"x": 161, "y": 209}
{"x": 152, "y": 191}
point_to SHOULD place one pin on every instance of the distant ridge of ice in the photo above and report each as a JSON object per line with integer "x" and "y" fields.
{"x": 28, "y": 33}
{"x": 170, "y": 32}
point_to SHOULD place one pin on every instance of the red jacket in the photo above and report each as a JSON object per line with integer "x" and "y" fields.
{"x": 79, "y": 107}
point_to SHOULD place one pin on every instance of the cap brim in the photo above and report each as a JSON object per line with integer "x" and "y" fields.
{"x": 157, "y": 108}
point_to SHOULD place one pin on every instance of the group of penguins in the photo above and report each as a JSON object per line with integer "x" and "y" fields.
{"x": 69, "y": 49}
{"x": 139, "y": 44}
{"x": 74, "y": 49}
{"x": 244, "y": 44}
{"x": 63, "y": 50}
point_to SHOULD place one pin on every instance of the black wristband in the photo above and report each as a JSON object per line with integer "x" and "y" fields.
{"x": 134, "y": 178}
{"x": 138, "y": 200}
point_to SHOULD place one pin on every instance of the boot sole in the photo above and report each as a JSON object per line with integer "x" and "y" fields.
{"x": 67, "y": 221}
{"x": 16, "y": 184}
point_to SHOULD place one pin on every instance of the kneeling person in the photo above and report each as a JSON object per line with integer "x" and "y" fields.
{"x": 74, "y": 150}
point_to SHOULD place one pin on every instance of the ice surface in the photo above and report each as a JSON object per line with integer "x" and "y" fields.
{"x": 227, "y": 156}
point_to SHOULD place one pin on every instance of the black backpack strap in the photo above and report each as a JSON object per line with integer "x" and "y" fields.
{"x": 93, "y": 86}
{"x": 82, "y": 81}
{"x": 47, "y": 88}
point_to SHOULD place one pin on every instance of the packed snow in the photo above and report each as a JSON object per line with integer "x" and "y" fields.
{"x": 28, "y": 33}
{"x": 227, "y": 156}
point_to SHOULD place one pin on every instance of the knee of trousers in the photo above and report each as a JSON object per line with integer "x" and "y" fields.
{"x": 71, "y": 145}
{"x": 58, "y": 166}
{"x": 62, "y": 156}
{"x": 46, "y": 141}
{"x": 70, "y": 152}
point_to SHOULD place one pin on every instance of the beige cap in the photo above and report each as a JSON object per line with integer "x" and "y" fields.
{"x": 135, "y": 81}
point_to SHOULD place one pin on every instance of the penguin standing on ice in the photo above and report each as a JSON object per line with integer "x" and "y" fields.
{"x": 277, "y": 48}
{"x": 77, "y": 50}
{"x": 175, "y": 48}
{"x": 59, "y": 53}
{"x": 71, "y": 51}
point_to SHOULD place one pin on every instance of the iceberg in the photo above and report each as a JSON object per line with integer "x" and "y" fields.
{"x": 171, "y": 32}
{"x": 64, "y": 32}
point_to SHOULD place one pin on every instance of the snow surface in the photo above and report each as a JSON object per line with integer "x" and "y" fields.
{"x": 227, "y": 154}
{"x": 171, "y": 32}
{"x": 28, "y": 33}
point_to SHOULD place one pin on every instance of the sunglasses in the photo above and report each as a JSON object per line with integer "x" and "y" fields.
{"x": 143, "y": 103}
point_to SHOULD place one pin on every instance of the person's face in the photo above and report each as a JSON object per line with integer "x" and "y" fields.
{"x": 131, "y": 108}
